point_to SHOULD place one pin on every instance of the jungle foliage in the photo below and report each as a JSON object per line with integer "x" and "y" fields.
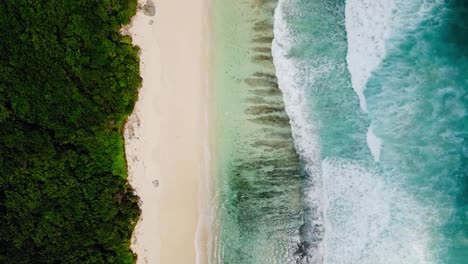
{"x": 68, "y": 80}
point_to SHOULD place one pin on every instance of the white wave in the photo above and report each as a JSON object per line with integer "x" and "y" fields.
{"x": 374, "y": 27}
{"x": 368, "y": 26}
{"x": 372, "y": 221}
{"x": 374, "y": 143}
{"x": 304, "y": 133}
{"x": 366, "y": 219}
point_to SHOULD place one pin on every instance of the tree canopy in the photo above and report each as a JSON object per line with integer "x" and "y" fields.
{"x": 68, "y": 80}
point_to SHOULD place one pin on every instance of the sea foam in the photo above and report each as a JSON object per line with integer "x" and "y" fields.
{"x": 362, "y": 217}
{"x": 374, "y": 143}
{"x": 305, "y": 134}
{"x": 368, "y": 26}
{"x": 375, "y": 218}
{"x": 373, "y": 27}
{"x": 372, "y": 220}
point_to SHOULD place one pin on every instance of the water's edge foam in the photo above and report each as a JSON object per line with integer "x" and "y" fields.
{"x": 305, "y": 137}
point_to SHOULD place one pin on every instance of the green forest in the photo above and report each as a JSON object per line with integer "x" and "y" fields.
{"x": 68, "y": 80}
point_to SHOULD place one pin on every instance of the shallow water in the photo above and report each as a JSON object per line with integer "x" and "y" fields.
{"x": 260, "y": 179}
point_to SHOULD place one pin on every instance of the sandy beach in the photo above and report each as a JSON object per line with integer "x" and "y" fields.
{"x": 167, "y": 136}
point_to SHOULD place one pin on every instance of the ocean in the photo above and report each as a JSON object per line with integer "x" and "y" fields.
{"x": 376, "y": 98}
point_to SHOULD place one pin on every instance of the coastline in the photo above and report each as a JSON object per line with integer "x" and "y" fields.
{"x": 167, "y": 137}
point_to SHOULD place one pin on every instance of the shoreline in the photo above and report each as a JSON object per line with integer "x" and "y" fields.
{"x": 168, "y": 136}
{"x": 259, "y": 170}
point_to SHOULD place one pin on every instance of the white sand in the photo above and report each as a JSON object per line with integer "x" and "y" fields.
{"x": 167, "y": 136}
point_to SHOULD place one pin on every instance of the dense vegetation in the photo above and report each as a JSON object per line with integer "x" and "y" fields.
{"x": 68, "y": 80}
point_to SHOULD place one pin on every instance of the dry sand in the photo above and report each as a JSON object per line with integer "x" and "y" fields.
{"x": 167, "y": 136}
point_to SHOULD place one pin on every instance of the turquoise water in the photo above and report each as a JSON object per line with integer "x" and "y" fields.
{"x": 377, "y": 96}
{"x": 260, "y": 180}
{"x": 342, "y": 131}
